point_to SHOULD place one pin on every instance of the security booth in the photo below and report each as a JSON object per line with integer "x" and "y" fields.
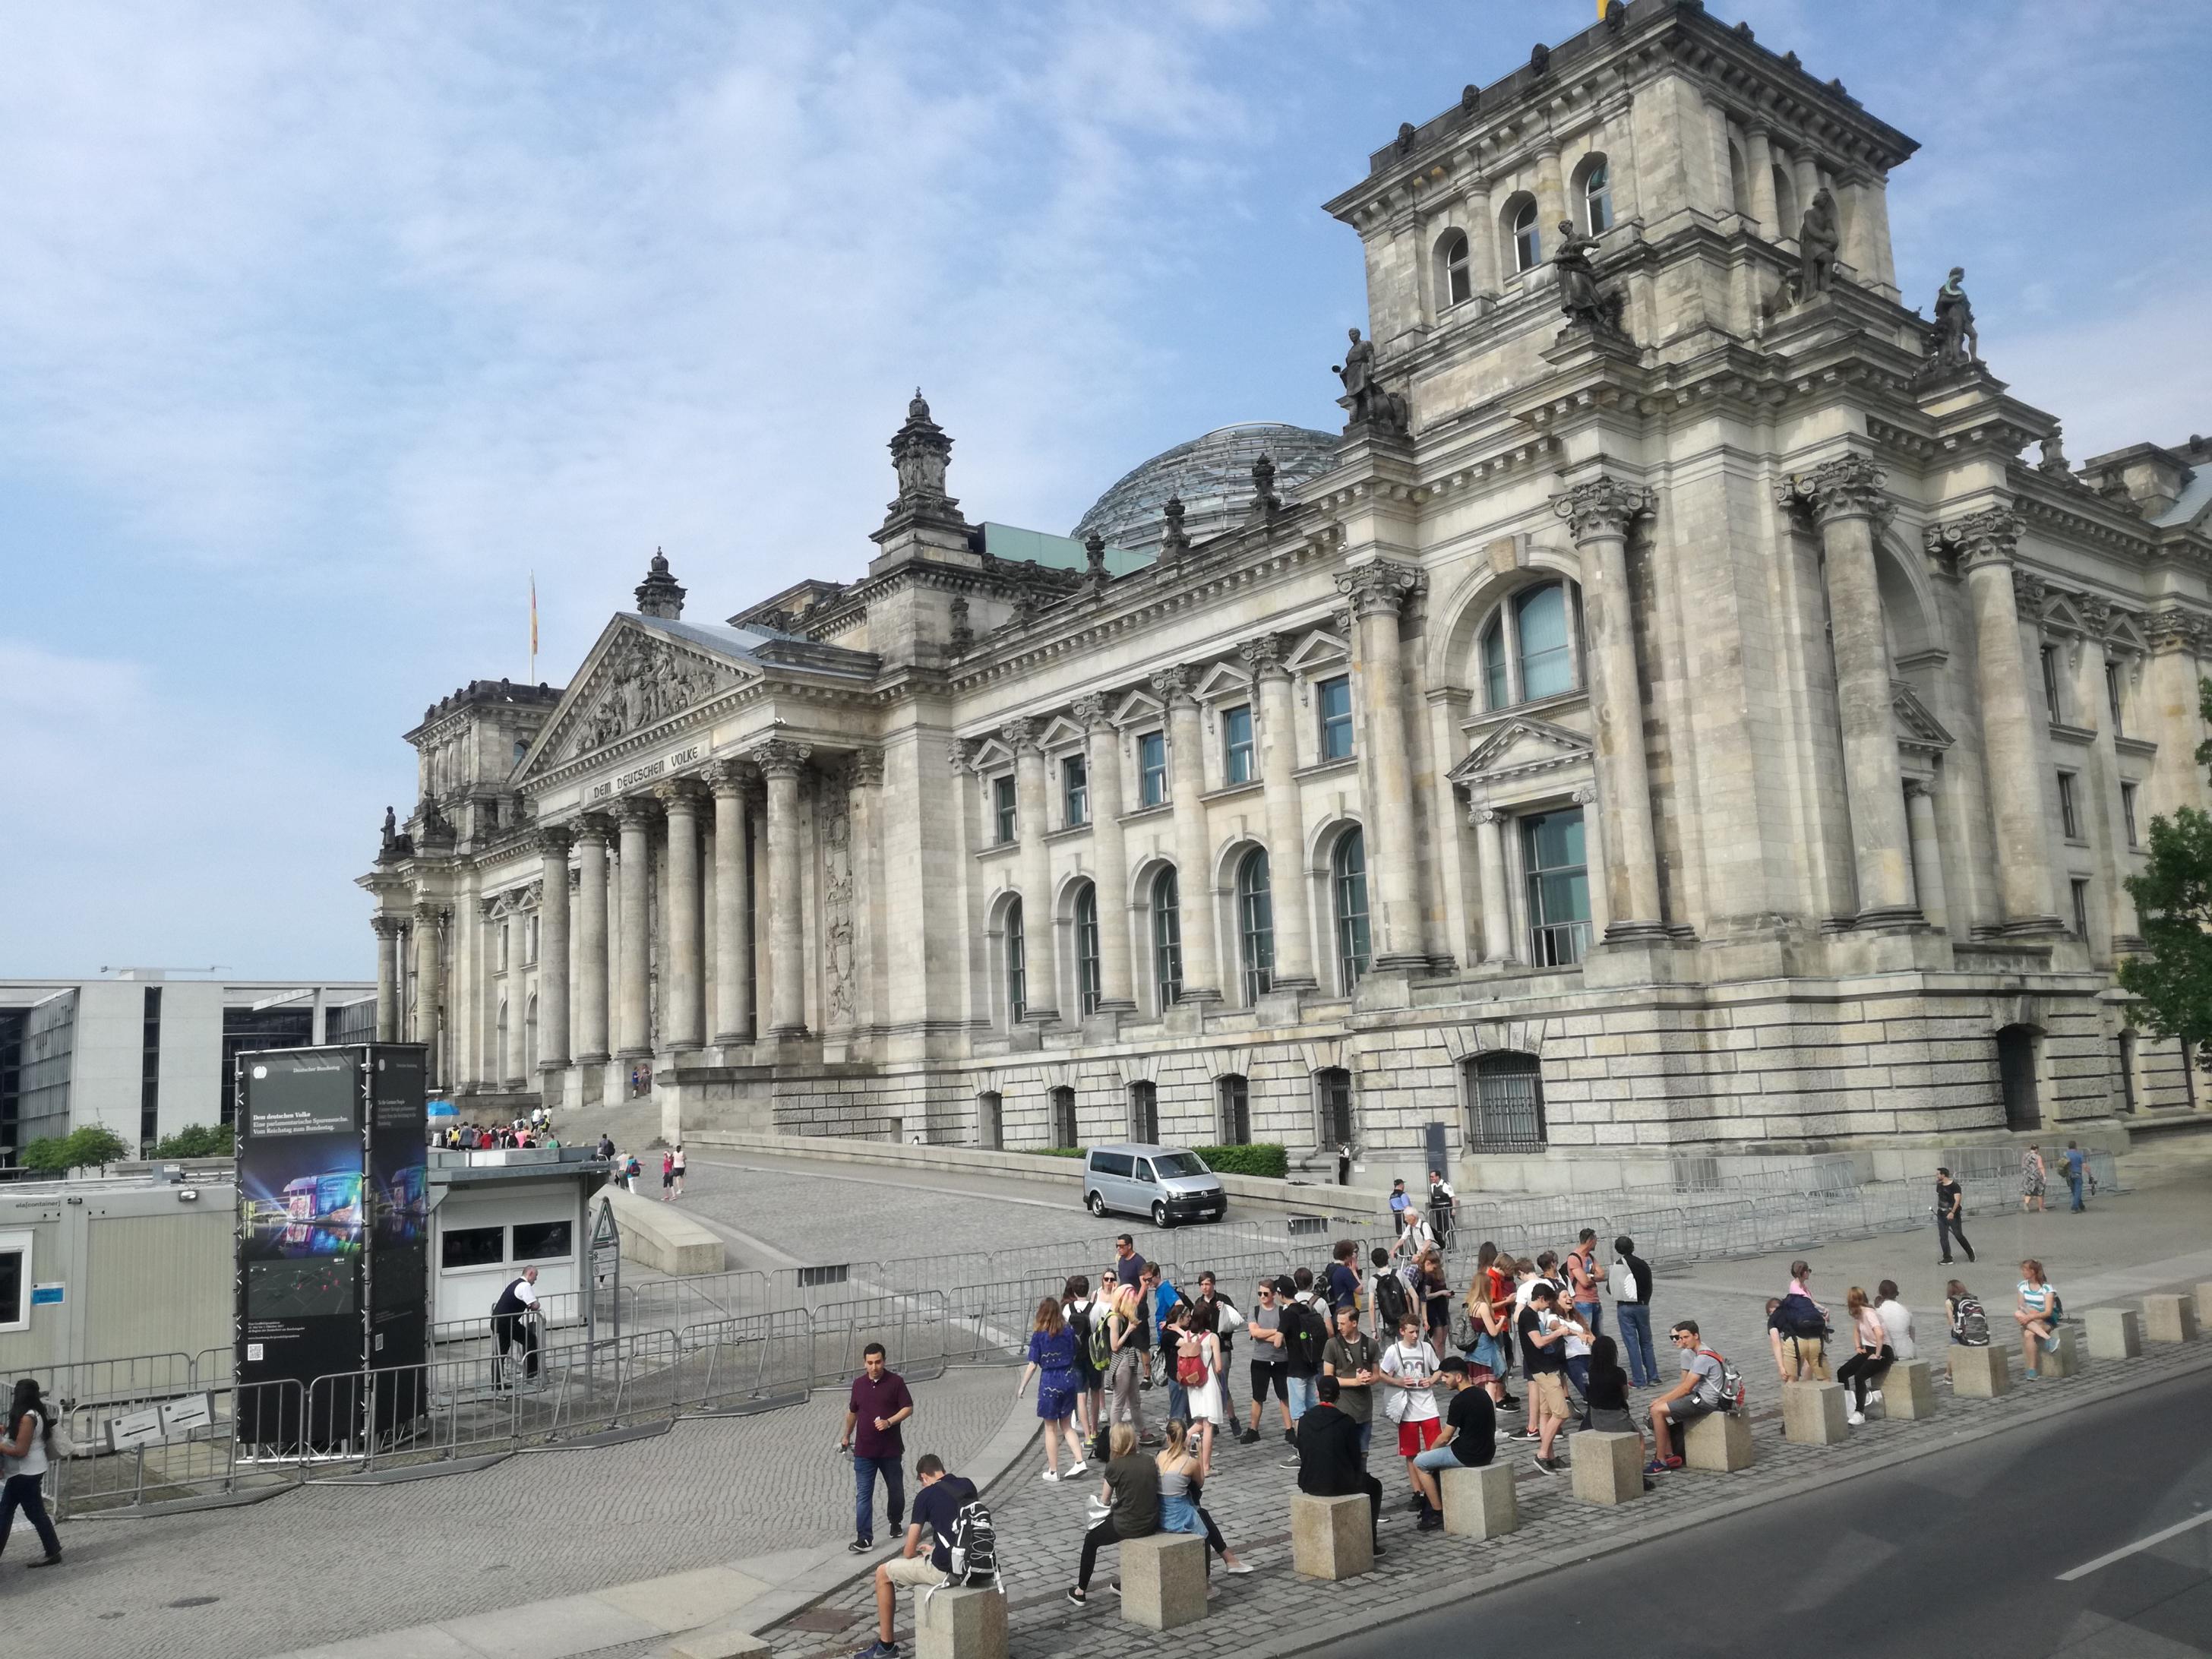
{"x": 496, "y": 1211}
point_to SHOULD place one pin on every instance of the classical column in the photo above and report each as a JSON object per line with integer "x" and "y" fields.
{"x": 1490, "y": 853}
{"x": 1286, "y": 835}
{"x": 2010, "y": 702}
{"x": 1808, "y": 181}
{"x": 591, "y": 832}
{"x": 1843, "y": 497}
{"x": 782, "y": 762}
{"x": 1111, "y": 873}
{"x": 683, "y": 1019}
{"x": 1927, "y": 851}
{"x": 2091, "y": 697}
{"x": 1201, "y": 962}
{"x": 1599, "y": 512}
{"x": 1759, "y": 168}
{"x": 553, "y": 949}
{"x": 1551, "y": 194}
{"x": 632, "y": 991}
{"x": 1041, "y": 962}
{"x": 733, "y": 978}
{"x": 1481, "y": 242}
{"x": 429, "y": 989}
{"x": 388, "y": 977}
{"x": 1378, "y": 589}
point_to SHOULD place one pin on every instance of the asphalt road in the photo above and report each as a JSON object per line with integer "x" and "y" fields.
{"x": 1957, "y": 1555}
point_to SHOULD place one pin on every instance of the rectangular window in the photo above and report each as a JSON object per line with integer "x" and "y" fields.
{"x": 2113, "y": 697}
{"x": 2128, "y": 811}
{"x": 1236, "y": 745}
{"x": 1336, "y": 696}
{"x": 1236, "y": 1111}
{"x": 14, "y": 1281}
{"x": 1505, "y": 1102}
{"x": 2081, "y": 908}
{"x": 543, "y": 1241}
{"x": 503, "y": 931}
{"x": 1002, "y": 808}
{"x": 1075, "y": 790}
{"x": 1143, "y": 1118}
{"x": 149, "y": 1073}
{"x": 2050, "y": 705}
{"x": 1558, "y": 888}
{"x": 472, "y": 1246}
{"x": 1153, "y": 768}
{"x": 2069, "y": 808}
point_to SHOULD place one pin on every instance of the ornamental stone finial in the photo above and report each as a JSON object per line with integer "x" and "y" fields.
{"x": 660, "y": 595}
{"x": 1848, "y": 486}
{"x": 1993, "y": 533}
{"x": 1176, "y": 541}
{"x": 779, "y": 757}
{"x": 1601, "y": 507}
{"x": 1379, "y": 586}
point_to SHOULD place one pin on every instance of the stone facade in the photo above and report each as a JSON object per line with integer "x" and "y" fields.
{"x": 1696, "y": 731}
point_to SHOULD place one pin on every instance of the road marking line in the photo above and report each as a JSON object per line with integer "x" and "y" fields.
{"x": 2140, "y": 1544}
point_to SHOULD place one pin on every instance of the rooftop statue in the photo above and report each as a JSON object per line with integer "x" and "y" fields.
{"x": 1364, "y": 401}
{"x": 1956, "y": 342}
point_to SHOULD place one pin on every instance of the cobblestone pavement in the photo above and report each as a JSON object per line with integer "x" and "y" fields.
{"x": 1040, "y": 1527}
{"x": 329, "y": 1562}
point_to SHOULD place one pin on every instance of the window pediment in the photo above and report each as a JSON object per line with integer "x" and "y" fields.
{"x": 1138, "y": 708}
{"x": 1520, "y": 747}
{"x": 1063, "y": 734}
{"x": 1319, "y": 649}
{"x": 1917, "y": 728}
{"x": 992, "y": 755}
{"x": 1225, "y": 683}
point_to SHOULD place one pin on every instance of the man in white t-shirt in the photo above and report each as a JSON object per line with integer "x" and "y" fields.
{"x": 1896, "y": 1319}
{"x": 1410, "y": 1368}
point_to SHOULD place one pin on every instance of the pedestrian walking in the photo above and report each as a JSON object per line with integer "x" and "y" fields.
{"x": 1343, "y": 1275}
{"x": 1270, "y": 1372}
{"x": 25, "y": 1448}
{"x": 1354, "y": 1360}
{"x": 1175, "y": 1337}
{"x": 924, "y": 1562}
{"x": 1871, "y": 1354}
{"x": 514, "y": 1326}
{"x": 1228, "y": 1320}
{"x": 1433, "y": 1291}
{"x": 1950, "y": 1211}
{"x": 1469, "y": 1439}
{"x": 1491, "y": 1331}
{"x": 2077, "y": 1176}
{"x": 667, "y": 1176}
{"x": 1631, "y": 1308}
{"x": 876, "y": 1409}
{"x": 1080, "y": 1311}
{"x": 1332, "y": 1462}
{"x": 2033, "y": 1175}
{"x": 1306, "y": 1334}
{"x": 1896, "y": 1320}
{"x": 1200, "y": 1364}
{"x": 1388, "y": 1298}
{"x": 2037, "y": 1313}
{"x": 677, "y": 1170}
{"x": 1131, "y": 1498}
{"x": 1060, "y": 1384}
{"x": 1410, "y": 1367}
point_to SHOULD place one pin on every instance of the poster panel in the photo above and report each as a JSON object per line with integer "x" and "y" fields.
{"x": 398, "y": 1234}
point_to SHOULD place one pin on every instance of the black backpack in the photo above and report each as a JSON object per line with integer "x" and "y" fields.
{"x": 1800, "y": 1316}
{"x": 1303, "y": 1339}
{"x": 1391, "y": 1303}
{"x": 973, "y": 1549}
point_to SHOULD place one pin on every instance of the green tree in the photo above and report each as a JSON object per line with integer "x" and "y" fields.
{"x": 48, "y": 1156}
{"x": 197, "y": 1140}
{"x": 2172, "y": 979}
{"x": 80, "y": 1148}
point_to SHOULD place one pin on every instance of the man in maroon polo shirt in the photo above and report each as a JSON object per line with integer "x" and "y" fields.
{"x": 878, "y": 1404}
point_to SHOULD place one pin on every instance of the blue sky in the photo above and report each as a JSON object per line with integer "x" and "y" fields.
{"x": 322, "y": 327}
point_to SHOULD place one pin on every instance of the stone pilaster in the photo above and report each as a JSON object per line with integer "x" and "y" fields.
{"x": 1041, "y": 964}
{"x": 1598, "y": 510}
{"x": 553, "y": 949}
{"x": 591, "y": 832}
{"x": 387, "y": 930}
{"x": 1927, "y": 852}
{"x": 1844, "y": 498}
{"x": 733, "y": 920}
{"x": 1497, "y": 912}
{"x": 782, "y": 762}
{"x": 429, "y": 987}
{"x": 1376, "y": 591}
{"x": 2103, "y": 821}
{"x": 633, "y": 988}
{"x": 1109, "y": 856}
{"x": 683, "y": 1020}
{"x": 1286, "y": 859}
{"x": 1201, "y": 961}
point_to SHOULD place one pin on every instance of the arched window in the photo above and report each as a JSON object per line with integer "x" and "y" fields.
{"x": 1531, "y": 645}
{"x": 1504, "y": 1103}
{"x": 1256, "y": 923}
{"x": 1144, "y": 1113}
{"x": 1520, "y": 227}
{"x": 1086, "y": 948}
{"x": 1496, "y": 688}
{"x": 1332, "y": 1094}
{"x": 1018, "y": 979}
{"x": 1167, "y": 939}
{"x": 1597, "y": 196}
{"x": 1347, "y": 867}
{"x": 1455, "y": 281}
{"x": 990, "y": 1119}
{"x": 2023, "y": 1106}
{"x": 1785, "y": 202}
{"x": 1065, "y": 1134}
{"x": 1234, "y": 1094}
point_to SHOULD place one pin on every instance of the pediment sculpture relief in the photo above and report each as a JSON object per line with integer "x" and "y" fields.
{"x": 642, "y": 683}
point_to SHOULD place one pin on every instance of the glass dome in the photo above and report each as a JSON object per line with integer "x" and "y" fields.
{"x": 1213, "y": 476}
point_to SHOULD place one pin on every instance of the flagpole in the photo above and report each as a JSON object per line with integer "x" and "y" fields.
{"x": 533, "y": 628}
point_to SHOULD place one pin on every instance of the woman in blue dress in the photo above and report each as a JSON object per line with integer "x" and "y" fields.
{"x": 1060, "y": 1384}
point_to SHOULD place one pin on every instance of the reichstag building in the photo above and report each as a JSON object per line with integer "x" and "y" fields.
{"x": 1691, "y": 711}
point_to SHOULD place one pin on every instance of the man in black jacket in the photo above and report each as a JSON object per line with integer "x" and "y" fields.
{"x": 1330, "y": 1463}
{"x": 1631, "y": 1308}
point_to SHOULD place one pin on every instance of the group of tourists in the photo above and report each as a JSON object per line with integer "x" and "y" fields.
{"x": 535, "y": 1130}
{"x": 2035, "y": 1174}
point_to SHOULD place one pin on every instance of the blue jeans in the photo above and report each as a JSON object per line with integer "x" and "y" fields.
{"x": 1636, "y": 1343}
{"x": 2073, "y": 1186}
{"x": 1179, "y": 1401}
{"x": 1301, "y": 1395}
{"x": 1592, "y": 1314}
{"x": 1366, "y": 1436}
{"x": 864, "y": 1471}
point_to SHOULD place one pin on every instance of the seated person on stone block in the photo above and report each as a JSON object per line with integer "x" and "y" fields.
{"x": 1131, "y": 1495}
{"x": 921, "y": 1568}
{"x": 1469, "y": 1440}
{"x": 1698, "y": 1394}
{"x": 1330, "y": 1464}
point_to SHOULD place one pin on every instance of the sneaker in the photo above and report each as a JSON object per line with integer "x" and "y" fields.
{"x": 1051, "y": 1475}
{"x": 1146, "y": 1383}
{"x": 1512, "y": 1402}
{"x": 1289, "y": 1437}
{"x": 1549, "y": 1465}
{"x": 2031, "y": 1374}
{"x": 1148, "y": 1438}
{"x": 1249, "y": 1437}
{"x": 1524, "y": 1434}
{"x": 1076, "y": 1597}
{"x": 1075, "y": 1468}
{"x": 878, "y": 1651}
{"x": 1418, "y": 1504}
{"x": 1655, "y": 1466}
{"x": 1114, "y": 1585}
{"x": 2051, "y": 1343}
{"x": 1673, "y": 1463}
{"x": 1379, "y": 1550}
{"x": 1237, "y": 1570}
{"x": 1650, "y": 1484}
{"x": 1855, "y": 1418}
{"x": 1874, "y": 1396}
{"x": 1291, "y": 1461}
{"x": 1432, "y": 1522}
{"x": 860, "y": 1547}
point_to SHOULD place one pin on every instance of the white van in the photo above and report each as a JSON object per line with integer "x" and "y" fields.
{"x": 1168, "y": 1183}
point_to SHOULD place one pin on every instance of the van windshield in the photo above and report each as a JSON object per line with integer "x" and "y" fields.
{"x": 1180, "y": 1163}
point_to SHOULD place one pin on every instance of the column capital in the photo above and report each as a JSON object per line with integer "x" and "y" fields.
{"x": 632, "y": 810}
{"x": 2172, "y": 629}
{"x": 1847, "y": 487}
{"x": 678, "y": 796}
{"x": 1173, "y": 686}
{"x": 867, "y": 768}
{"x": 2096, "y": 615}
{"x": 1988, "y": 536}
{"x": 1378, "y": 588}
{"x": 726, "y": 777}
{"x": 1586, "y": 795}
{"x": 1021, "y": 736}
{"x": 1601, "y": 507}
{"x": 1091, "y": 713}
{"x": 591, "y": 826}
{"x": 429, "y": 913}
{"x": 1916, "y": 787}
{"x": 1477, "y": 814}
{"x": 1264, "y": 657}
{"x": 960, "y": 754}
{"x": 553, "y": 840}
{"x": 387, "y": 926}
{"x": 2028, "y": 592}
{"x": 779, "y": 757}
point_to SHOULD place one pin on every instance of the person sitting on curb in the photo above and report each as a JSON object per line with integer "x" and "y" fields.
{"x": 1330, "y": 1464}
{"x": 1698, "y": 1394}
{"x": 936, "y": 1508}
{"x": 1469, "y": 1440}
{"x": 2037, "y": 1315}
{"x": 1131, "y": 1495}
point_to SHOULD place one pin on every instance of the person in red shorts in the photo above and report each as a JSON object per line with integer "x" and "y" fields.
{"x": 1410, "y": 1370}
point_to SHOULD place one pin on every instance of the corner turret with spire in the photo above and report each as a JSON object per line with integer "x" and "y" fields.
{"x": 660, "y": 595}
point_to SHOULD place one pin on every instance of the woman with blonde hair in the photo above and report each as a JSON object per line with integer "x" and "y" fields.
{"x": 1183, "y": 1467}
{"x": 2036, "y": 1312}
{"x": 1060, "y": 1383}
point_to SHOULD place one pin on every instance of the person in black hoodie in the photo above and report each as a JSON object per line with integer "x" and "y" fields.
{"x": 1329, "y": 1462}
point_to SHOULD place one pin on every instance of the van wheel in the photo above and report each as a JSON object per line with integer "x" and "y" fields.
{"x": 1160, "y": 1213}
{"x": 1097, "y": 1203}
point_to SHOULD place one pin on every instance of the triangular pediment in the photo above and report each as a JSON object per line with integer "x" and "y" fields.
{"x": 1225, "y": 683}
{"x": 2127, "y": 634}
{"x": 1063, "y": 734}
{"x": 1916, "y": 728}
{"x": 1316, "y": 650}
{"x": 1138, "y": 707}
{"x": 636, "y": 679}
{"x": 991, "y": 755}
{"x": 1519, "y": 746}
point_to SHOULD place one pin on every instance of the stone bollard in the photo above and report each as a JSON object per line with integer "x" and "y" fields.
{"x": 1813, "y": 1413}
{"x": 1609, "y": 1467}
{"x": 1331, "y": 1537}
{"x": 1980, "y": 1373}
{"x": 1908, "y": 1391}
{"x": 1479, "y": 1503}
{"x": 2204, "y": 1305}
{"x": 1164, "y": 1579}
{"x": 2063, "y": 1360}
{"x": 1720, "y": 1441}
{"x": 2169, "y": 1319}
{"x": 966, "y": 1624}
{"x": 2115, "y": 1333}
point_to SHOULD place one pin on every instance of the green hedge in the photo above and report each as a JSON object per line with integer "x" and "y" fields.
{"x": 1263, "y": 1158}
{"x": 1059, "y": 1152}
